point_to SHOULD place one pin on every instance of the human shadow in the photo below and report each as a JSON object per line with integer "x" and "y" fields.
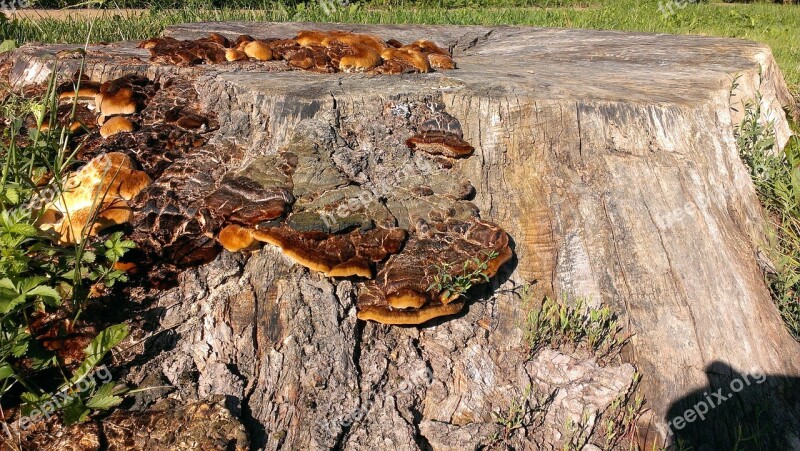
{"x": 737, "y": 411}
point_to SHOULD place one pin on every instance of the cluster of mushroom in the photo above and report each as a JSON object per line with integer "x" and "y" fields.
{"x": 100, "y": 194}
{"x": 312, "y": 50}
{"x": 183, "y": 205}
{"x": 95, "y": 197}
{"x": 213, "y": 49}
{"x": 109, "y": 104}
{"x": 288, "y": 200}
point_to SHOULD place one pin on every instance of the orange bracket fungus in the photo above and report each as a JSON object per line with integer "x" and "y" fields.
{"x": 310, "y": 50}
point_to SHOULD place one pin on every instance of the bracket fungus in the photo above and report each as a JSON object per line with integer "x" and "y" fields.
{"x": 311, "y": 50}
{"x": 258, "y": 50}
{"x": 83, "y": 91}
{"x": 94, "y": 197}
{"x": 437, "y": 142}
{"x": 335, "y": 255}
{"x": 114, "y": 125}
{"x": 413, "y": 285}
{"x": 393, "y": 227}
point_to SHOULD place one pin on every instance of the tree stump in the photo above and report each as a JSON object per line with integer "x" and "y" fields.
{"x": 610, "y": 160}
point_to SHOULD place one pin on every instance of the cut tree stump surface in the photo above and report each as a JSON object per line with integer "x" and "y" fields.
{"x": 610, "y": 160}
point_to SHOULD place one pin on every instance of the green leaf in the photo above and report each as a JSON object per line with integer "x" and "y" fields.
{"x": 97, "y": 349}
{"x": 6, "y": 283}
{"x": 31, "y": 401}
{"x": 29, "y": 283}
{"x": 45, "y": 292}
{"x": 8, "y": 45}
{"x": 6, "y": 371}
{"x": 75, "y": 412}
{"x": 104, "y": 398}
{"x": 11, "y": 194}
{"x": 8, "y": 305}
{"x": 88, "y": 256}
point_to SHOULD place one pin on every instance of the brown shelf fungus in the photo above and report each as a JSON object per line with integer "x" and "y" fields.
{"x": 258, "y": 50}
{"x": 440, "y": 143}
{"x": 340, "y": 255}
{"x": 85, "y": 91}
{"x": 114, "y": 125}
{"x": 372, "y": 306}
{"x": 94, "y": 198}
{"x": 311, "y": 50}
{"x": 435, "y": 267}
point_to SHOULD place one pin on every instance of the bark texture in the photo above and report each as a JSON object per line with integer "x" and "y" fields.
{"x": 610, "y": 160}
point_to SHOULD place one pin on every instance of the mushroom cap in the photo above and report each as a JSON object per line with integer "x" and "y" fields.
{"x": 395, "y": 66}
{"x": 90, "y": 221}
{"x": 337, "y": 255}
{"x": 333, "y": 35}
{"x": 413, "y": 57}
{"x": 235, "y": 55}
{"x": 128, "y": 267}
{"x": 280, "y": 47}
{"x": 394, "y": 43}
{"x": 192, "y": 121}
{"x": 120, "y": 101}
{"x": 243, "y": 38}
{"x": 312, "y": 58}
{"x": 406, "y": 298}
{"x": 404, "y": 283}
{"x": 359, "y": 58}
{"x": 439, "y": 61}
{"x": 86, "y": 92}
{"x": 110, "y": 175}
{"x": 235, "y": 238}
{"x": 117, "y": 124}
{"x": 70, "y": 227}
{"x": 425, "y": 46}
{"x": 373, "y": 306}
{"x": 219, "y": 39}
{"x": 436, "y": 142}
{"x": 258, "y": 50}
{"x": 308, "y": 38}
{"x": 248, "y": 202}
{"x": 374, "y": 42}
{"x": 149, "y": 43}
{"x": 76, "y": 126}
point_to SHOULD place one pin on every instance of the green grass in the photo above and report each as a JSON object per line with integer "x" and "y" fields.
{"x": 775, "y": 25}
{"x": 571, "y": 323}
{"x": 45, "y": 289}
{"x": 776, "y": 176}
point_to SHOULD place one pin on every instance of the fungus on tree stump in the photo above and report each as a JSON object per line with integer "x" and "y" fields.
{"x": 95, "y": 197}
{"x": 310, "y": 50}
{"x": 436, "y": 263}
{"x": 299, "y": 199}
{"x": 117, "y": 124}
{"x": 440, "y": 143}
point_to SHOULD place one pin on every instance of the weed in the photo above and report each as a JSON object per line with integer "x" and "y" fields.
{"x": 451, "y": 283}
{"x": 527, "y": 411}
{"x": 556, "y": 324}
{"x": 576, "y": 433}
{"x": 776, "y": 176}
{"x": 619, "y": 420}
{"x": 44, "y": 289}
